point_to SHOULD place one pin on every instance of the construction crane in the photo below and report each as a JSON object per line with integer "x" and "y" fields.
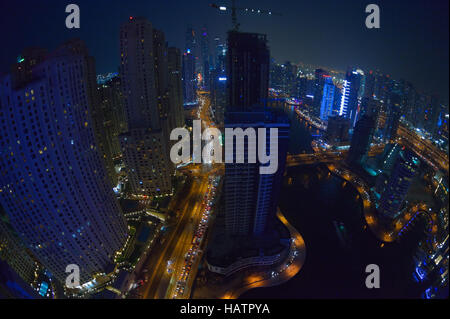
{"x": 234, "y": 10}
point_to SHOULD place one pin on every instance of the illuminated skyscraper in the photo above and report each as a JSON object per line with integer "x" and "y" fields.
{"x": 318, "y": 90}
{"x": 144, "y": 78}
{"x": 369, "y": 84}
{"x": 327, "y": 103}
{"x": 251, "y": 197}
{"x": 189, "y": 79}
{"x": 389, "y": 156}
{"x": 13, "y": 251}
{"x": 53, "y": 183}
{"x": 205, "y": 57}
{"x": 431, "y": 114}
{"x": 397, "y": 187}
{"x": 220, "y": 55}
{"x": 283, "y": 77}
{"x": 349, "y": 99}
{"x": 192, "y": 45}
{"x": 249, "y": 234}
{"x": 99, "y": 116}
{"x": 113, "y": 113}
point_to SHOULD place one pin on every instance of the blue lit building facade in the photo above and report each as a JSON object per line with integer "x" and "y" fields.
{"x": 189, "y": 79}
{"x": 53, "y": 184}
{"x": 349, "y": 106}
{"x": 326, "y": 106}
{"x": 320, "y": 77}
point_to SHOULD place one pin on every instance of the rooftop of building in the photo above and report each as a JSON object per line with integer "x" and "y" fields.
{"x": 223, "y": 249}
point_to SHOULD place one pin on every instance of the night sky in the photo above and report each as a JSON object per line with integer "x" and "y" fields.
{"x": 412, "y": 43}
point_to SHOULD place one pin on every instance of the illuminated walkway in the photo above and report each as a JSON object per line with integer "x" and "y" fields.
{"x": 237, "y": 284}
{"x": 386, "y": 233}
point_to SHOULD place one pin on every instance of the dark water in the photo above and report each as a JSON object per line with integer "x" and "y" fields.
{"x": 300, "y": 134}
{"x": 335, "y": 268}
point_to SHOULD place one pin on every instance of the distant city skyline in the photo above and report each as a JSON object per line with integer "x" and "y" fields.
{"x": 411, "y": 43}
{"x": 344, "y": 167}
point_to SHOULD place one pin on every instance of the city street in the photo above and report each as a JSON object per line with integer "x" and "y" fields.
{"x": 177, "y": 240}
{"x": 172, "y": 246}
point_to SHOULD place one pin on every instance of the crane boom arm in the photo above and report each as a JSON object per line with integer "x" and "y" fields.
{"x": 234, "y": 9}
